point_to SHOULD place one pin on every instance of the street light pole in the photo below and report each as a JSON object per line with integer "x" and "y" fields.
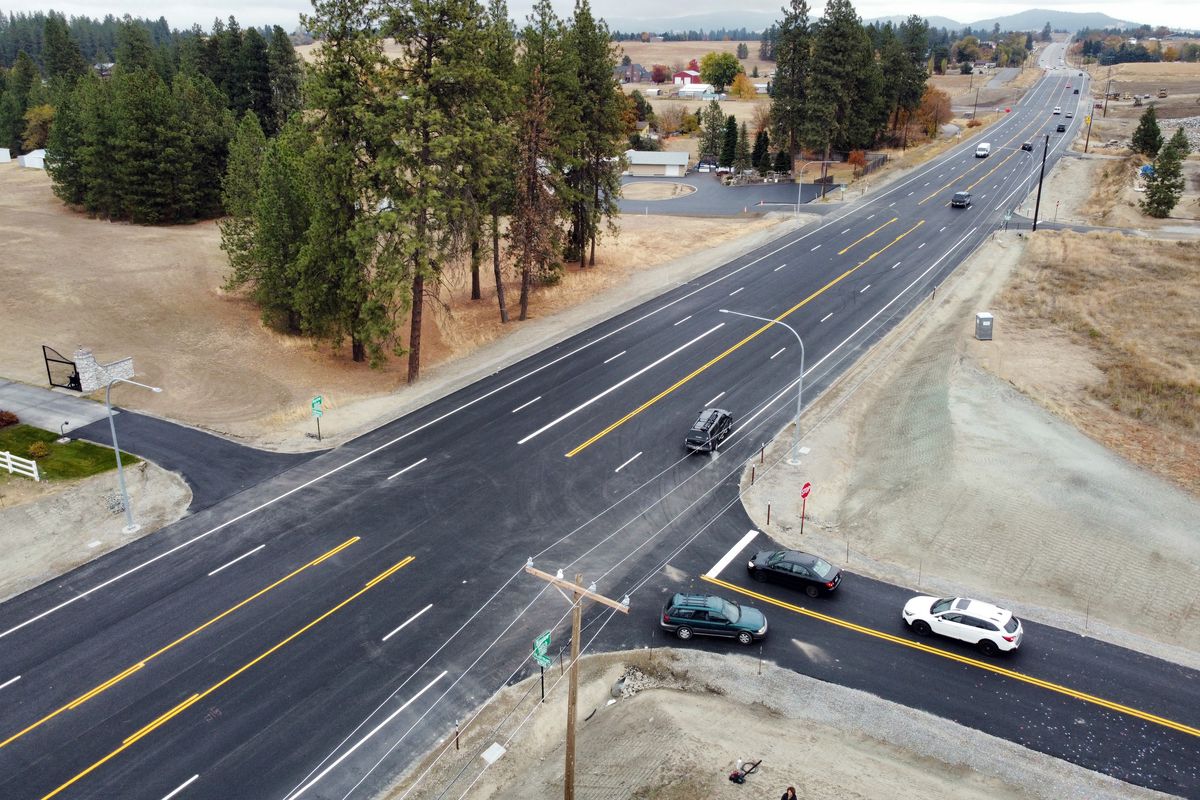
{"x": 794, "y": 458}
{"x": 800, "y": 181}
{"x": 130, "y": 526}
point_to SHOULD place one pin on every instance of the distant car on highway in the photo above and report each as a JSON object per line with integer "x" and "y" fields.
{"x": 990, "y": 628}
{"x": 1068, "y": 86}
{"x": 1061, "y": 128}
{"x": 710, "y": 429}
{"x": 688, "y": 615}
{"x": 983, "y": 150}
{"x": 961, "y": 200}
{"x": 1058, "y": 109}
{"x": 797, "y": 570}
{"x": 1070, "y": 114}
{"x": 1075, "y": 92}
{"x": 1027, "y": 146}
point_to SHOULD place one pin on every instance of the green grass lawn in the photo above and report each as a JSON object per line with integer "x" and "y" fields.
{"x": 66, "y": 461}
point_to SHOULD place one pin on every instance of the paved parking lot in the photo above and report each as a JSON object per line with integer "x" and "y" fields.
{"x": 713, "y": 199}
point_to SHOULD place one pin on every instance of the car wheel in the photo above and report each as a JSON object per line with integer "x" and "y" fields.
{"x": 745, "y": 638}
{"x": 988, "y": 647}
{"x": 683, "y": 632}
{"x": 812, "y": 591}
{"x": 760, "y": 575}
{"x": 920, "y": 627}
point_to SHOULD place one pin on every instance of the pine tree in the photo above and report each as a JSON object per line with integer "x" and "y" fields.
{"x": 761, "y": 156}
{"x": 533, "y": 235}
{"x": 789, "y": 89}
{"x": 442, "y": 126}
{"x": 207, "y": 127}
{"x": 284, "y": 74}
{"x": 63, "y": 147}
{"x": 134, "y": 49}
{"x": 62, "y": 57}
{"x": 1147, "y": 139}
{"x": 712, "y": 135}
{"x": 783, "y": 161}
{"x": 254, "y": 76}
{"x": 741, "y": 151}
{"x": 15, "y": 100}
{"x": 1179, "y": 142}
{"x": 495, "y": 164}
{"x": 729, "y": 142}
{"x": 844, "y": 108}
{"x": 239, "y": 194}
{"x": 1165, "y": 186}
{"x": 229, "y": 56}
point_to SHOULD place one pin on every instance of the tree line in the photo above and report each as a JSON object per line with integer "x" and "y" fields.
{"x": 96, "y": 38}
{"x": 346, "y": 222}
{"x": 701, "y": 35}
{"x": 834, "y": 88}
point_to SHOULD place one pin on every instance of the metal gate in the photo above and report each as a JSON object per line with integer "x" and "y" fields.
{"x": 60, "y": 371}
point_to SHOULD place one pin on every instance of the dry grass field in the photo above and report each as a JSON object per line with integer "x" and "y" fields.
{"x": 154, "y": 293}
{"x": 1128, "y": 306}
{"x": 677, "y": 54}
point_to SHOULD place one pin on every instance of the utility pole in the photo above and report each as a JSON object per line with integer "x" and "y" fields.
{"x": 1107, "y": 90}
{"x": 975, "y": 112}
{"x": 1037, "y": 204}
{"x": 1087, "y": 140}
{"x": 578, "y": 593}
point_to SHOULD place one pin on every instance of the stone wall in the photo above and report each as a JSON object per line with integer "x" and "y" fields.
{"x": 94, "y": 375}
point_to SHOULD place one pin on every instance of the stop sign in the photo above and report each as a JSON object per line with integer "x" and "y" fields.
{"x": 805, "y": 489}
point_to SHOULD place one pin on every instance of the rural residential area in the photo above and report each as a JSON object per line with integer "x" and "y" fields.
{"x": 533, "y": 399}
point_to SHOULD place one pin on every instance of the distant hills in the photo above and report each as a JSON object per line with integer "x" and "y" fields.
{"x": 1031, "y": 20}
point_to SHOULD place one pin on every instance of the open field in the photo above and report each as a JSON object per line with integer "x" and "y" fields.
{"x": 1146, "y": 77}
{"x": 677, "y": 54}
{"x": 155, "y": 294}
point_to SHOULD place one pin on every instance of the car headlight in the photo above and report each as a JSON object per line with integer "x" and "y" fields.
{"x": 749, "y": 565}
{"x": 762, "y": 630}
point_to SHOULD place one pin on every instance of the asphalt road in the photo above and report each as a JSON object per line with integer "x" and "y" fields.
{"x": 314, "y": 634}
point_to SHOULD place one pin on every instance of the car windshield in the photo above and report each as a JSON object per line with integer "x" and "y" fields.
{"x": 776, "y": 557}
{"x": 941, "y": 605}
{"x": 729, "y": 610}
{"x": 823, "y": 568}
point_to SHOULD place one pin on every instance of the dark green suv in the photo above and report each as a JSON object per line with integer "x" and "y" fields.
{"x": 691, "y": 615}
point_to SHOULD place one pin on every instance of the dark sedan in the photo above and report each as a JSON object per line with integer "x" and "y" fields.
{"x": 795, "y": 569}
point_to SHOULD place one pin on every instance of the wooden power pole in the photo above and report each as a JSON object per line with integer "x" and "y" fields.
{"x": 578, "y": 593}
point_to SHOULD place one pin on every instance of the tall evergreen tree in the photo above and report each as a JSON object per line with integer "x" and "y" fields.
{"x": 62, "y": 57}
{"x": 712, "y": 131}
{"x": 729, "y": 142}
{"x": 1165, "y": 186}
{"x": 596, "y": 177}
{"x": 533, "y": 234}
{"x": 1148, "y": 138}
{"x": 495, "y": 164}
{"x": 761, "y": 156}
{"x": 284, "y": 74}
{"x": 741, "y": 152}
{"x": 134, "y": 49}
{"x": 239, "y": 194}
{"x": 254, "y": 76}
{"x": 844, "y": 109}
{"x": 1179, "y": 142}
{"x": 789, "y": 90}
{"x": 16, "y": 99}
{"x": 441, "y": 126}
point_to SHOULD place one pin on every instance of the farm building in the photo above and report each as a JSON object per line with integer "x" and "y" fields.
{"x": 694, "y": 91}
{"x": 685, "y": 77}
{"x": 661, "y": 164}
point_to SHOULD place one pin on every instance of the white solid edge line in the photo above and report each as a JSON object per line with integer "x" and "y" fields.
{"x": 363, "y": 740}
{"x": 486, "y": 395}
{"x": 181, "y": 787}
{"x": 231, "y": 563}
{"x": 410, "y": 619}
{"x": 10, "y": 682}
{"x": 410, "y": 466}
{"x": 618, "y": 385}
{"x": 715, "y": 399}
{"x": 685, "y": 319}
{"x": 614, "y": 358}
{"x": 777, "y": 352}
{"x": 725, "y": 559}
{"x": 627, "y": 463}
{"x": 526, "y": 405}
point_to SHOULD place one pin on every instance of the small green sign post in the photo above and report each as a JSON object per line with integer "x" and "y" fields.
{"x": 541, "y": 646}
{"x": 318, "y": 412}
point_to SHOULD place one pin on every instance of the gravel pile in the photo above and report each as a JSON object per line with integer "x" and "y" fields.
{"x": 1191, "y": 129}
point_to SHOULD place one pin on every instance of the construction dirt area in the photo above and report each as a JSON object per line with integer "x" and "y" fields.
{"x": 1014, "y": 470}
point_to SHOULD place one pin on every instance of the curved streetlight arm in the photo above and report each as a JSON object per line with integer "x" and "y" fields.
{"x": 130, "y": 527}
{"x": 794, "y": 457}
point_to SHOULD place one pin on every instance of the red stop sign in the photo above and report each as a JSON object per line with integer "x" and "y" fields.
{"x": 805, "y": 489}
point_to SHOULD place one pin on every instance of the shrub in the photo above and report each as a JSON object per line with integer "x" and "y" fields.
{"x": 39, "y": 450}
{"x": 7, "y": 418}
{"x": 974, "y": 123}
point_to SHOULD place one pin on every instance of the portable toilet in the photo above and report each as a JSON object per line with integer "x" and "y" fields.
{"x": 983, "y": 326}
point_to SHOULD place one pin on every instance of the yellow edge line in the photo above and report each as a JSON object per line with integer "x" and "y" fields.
{"x": 1008, "y": 673}
{"x": 734, "y": 347}
{"x": 868, "y": 236}
{"x": 83, "y": 698}
{"x": 128, "y": 742}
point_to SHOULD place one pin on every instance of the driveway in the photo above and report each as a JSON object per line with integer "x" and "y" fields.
{"x": 711, "y": 199}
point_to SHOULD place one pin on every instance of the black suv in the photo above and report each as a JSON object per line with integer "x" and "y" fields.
{"x": 1027, "y": 146}
{"x": 1061, "y": 128}
{"x": 711, "y": 428}
{"x": 814, "y": 575}
{"x": 960, "y": 200}
{"x": 689, "y": 615}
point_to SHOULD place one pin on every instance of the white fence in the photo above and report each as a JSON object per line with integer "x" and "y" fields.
{"x": 22, "y": 466}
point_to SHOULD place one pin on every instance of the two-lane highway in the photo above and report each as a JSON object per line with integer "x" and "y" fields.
{"x": 312, "y": 636}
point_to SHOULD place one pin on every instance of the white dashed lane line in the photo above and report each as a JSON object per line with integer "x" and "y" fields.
{"x": 526, "y": 404}
{"x": 781, "y": 266}
{"x": 863, "y": 289}
{"x": 735, "y": 291}
{"x": 628, "y": 462}
{"x": 689, "y": 316}
{"x": 845, "y": 231}
{"x": 818, "y": 247}
{"x": 941, "y": 229}
{"x": 715, "y": 399}
{"x": 406, "y": 469}
{"x": 871, "y": 217}
{"x": 777, "y": 352}
{"x": 898, "y": 263}
{"x": 404, "y": 624}
{"x": 827, "y": 316}
{"x": 922, "y": 244}
{"x": 10, "y": 682}
{"x": 614, "y": 358}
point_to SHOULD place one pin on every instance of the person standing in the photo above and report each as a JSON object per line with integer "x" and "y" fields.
{"x": 790, "y": 794}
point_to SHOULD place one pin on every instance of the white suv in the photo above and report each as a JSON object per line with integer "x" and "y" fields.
{"x": 991, "y": 628}
{"x": 1058, "y": 109}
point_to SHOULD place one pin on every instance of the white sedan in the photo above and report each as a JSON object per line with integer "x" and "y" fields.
{"x": 990, "y": 628}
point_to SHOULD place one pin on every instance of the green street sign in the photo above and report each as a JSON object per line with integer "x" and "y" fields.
{"x": 317, "y": 411}
{"x": 542, "y": 661}
{"x": 541, "y": 646}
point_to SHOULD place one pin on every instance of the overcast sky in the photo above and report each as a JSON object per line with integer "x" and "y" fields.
{"x": 1176, "y": 13}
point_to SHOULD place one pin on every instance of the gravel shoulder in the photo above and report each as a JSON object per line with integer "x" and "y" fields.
{"x": 683, "y": 718}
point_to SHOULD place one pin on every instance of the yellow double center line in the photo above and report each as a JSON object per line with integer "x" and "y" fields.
{"x": 113, "y": 681}
{"x": 733, "y": 348}
{"x": 1011, "y": 139}
{"x": 1008, "y": 673}
{"x": 162, "y": 719}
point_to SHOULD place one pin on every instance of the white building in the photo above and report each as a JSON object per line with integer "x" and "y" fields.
{"x": 34, "y": 159}
{"x": 656, "y": 164}
{"x": 695, "y": 91}
{"x": 5, "y": 155}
